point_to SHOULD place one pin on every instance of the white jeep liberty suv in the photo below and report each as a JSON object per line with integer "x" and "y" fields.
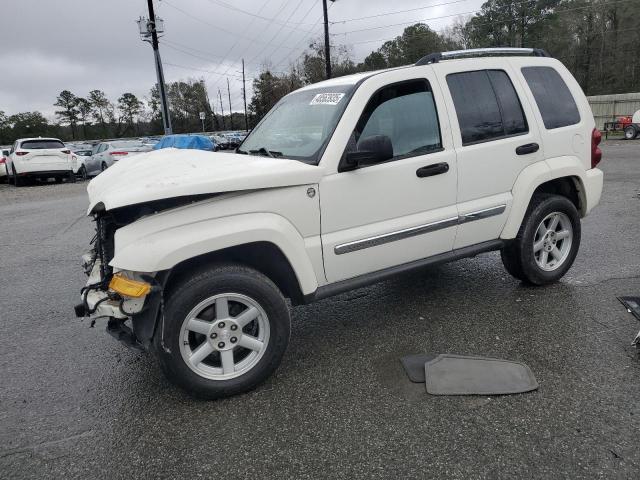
{"x": 342, "y": 184}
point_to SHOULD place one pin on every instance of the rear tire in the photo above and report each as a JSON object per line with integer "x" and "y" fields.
{"x": 227, "y": 365}
{"x": 17, "y": 181}
{"x": 630, "y": 132}
{"x": 103, "y": 167}
{"x": 547, "y": 242}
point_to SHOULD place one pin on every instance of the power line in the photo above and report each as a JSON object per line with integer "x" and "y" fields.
{"x": 395, "y": 12}
{"x": 278, "y": 22}
{"x": 236, "y": 43}
{"x": 590, "y": 5}
{"x": 197, "y": 69}
{"x": 218, "y": 27}
{"x": 510, "y": 20}
{"x": 272, "y": 38}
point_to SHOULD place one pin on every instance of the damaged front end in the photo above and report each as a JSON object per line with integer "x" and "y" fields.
{"x": 130, "y": 300}
{"x": 124, "y": 297}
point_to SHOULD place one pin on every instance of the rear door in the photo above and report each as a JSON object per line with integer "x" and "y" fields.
{"x": 495, "y": 136}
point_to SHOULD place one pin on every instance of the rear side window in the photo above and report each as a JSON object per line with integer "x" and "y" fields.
{"x": 487, "y": 106}
{"x": 41, "y": 144}
{"x": 555, "y": 102}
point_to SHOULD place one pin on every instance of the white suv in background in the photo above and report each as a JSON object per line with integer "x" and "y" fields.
{"x": 41, "y": 158}
{"x": 342, "y": 184}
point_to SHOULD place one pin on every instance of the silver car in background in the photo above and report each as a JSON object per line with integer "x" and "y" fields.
{"x": 106, "y": 154}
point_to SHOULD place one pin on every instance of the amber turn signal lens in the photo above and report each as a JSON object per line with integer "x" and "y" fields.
{"x": 127, "y": 287}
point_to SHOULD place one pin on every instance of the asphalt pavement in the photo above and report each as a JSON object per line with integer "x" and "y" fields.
{"x": 74, "y": 403}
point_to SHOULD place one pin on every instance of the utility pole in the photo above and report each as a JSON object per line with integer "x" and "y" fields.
{"x": 230, "y": 111}
{"x": 327, "y": 48}
{"x": 244, "y": 95}
{"x": 149, "y": 33}
{"x": 221, "y": 108}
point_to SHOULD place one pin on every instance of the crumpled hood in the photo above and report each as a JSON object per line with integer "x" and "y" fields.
{"x": 171, "y": 172}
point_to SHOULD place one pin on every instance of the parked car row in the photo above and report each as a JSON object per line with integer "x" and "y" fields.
{"x": 44, "y": 158}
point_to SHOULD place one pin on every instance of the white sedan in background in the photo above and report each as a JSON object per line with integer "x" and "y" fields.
{"x": 106, "y": 154}
{"x": 4, "y": 157}
{"x": 41, "y": 158}
{"x": 84, "y": 167}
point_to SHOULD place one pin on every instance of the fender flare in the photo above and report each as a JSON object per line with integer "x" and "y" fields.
{"x": 535, "y": 175}
{"x": 163, "y": 249}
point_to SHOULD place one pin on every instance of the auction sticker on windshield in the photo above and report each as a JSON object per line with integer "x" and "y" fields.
{"x": 326, "y": 99}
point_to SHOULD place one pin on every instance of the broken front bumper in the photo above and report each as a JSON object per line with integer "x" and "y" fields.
{"x": 99, "y": 301}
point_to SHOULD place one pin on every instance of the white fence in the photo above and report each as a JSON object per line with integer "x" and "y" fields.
{"x": 606, "y": 108}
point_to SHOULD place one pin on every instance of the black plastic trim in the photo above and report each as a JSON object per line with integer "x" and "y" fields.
{"x": 374, "y": 277}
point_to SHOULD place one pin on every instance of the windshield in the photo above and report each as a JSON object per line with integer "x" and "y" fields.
{"x": 299, "y": 125}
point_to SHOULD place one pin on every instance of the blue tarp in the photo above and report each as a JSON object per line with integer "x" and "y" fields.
{"x": 194, "y": 142}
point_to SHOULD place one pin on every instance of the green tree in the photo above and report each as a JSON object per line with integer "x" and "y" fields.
{"x": 28, "y": 124}
{"x": 415, "y": 42}
{"x": 84, "y": 111}
{"x": 5, "y": 129}
{"x": 69, "y": 113}
{"x": 102, "y": 109}
{"x": 130, "y": 107}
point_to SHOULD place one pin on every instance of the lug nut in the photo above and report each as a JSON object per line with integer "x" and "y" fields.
{"x": 221, "y": 325}
{"x": 214, "y": 335}
{"x": 234, "y": 339}
{"x": 221, "y": 345}
{"x": 234, "y": 327}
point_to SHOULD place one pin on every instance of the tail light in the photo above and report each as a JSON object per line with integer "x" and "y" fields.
{"x": 21, "y": 153}
{"x": 66, "y": 151}
{"x": 2, "y": 159}
{"x": 119, "y": 153}
{"x": 596, "y": 153}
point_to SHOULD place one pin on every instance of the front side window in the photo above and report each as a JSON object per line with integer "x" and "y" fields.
{"x": 487, "y": 106}
{"x": 555, "y": 102}
{"x": 406, "y": 114}
{"x": 299, "y": 125}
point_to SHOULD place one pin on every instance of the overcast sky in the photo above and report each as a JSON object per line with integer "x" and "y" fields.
{"x": 80, "y": 45}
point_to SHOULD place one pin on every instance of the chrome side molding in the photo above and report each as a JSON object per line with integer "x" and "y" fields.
{"x": 418, "y": 230}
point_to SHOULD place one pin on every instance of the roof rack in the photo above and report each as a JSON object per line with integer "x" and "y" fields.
{"x": 481, "y": 52}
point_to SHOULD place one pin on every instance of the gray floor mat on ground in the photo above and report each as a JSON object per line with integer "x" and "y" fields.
{"x": 414, "y": 366}
{"x": 463, "y": 375}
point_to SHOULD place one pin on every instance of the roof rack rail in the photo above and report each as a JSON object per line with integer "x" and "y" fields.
{"x": 481, "y": 52}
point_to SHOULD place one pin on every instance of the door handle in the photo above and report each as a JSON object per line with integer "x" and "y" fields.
{"x": 431, "y": 170}
{"x": 528, "y": 148}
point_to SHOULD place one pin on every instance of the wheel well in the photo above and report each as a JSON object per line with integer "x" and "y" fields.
{"x": 569, "y": 187}
{"x": 264, "y": 257}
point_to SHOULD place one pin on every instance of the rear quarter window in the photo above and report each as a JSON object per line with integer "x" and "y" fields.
{"x": 553, "y": 97}
{"x": 41, "y": 144}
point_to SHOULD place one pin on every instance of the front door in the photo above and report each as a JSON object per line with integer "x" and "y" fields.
{"x": 403, "y": 209}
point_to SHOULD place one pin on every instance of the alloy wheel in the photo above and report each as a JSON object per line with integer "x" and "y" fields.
{"x": 552, "y": 241}
{"x": 224, "y": 336}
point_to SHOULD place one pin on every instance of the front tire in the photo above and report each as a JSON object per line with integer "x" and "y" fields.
{"x": 547, "y": 242}
{"x": 225, "y": 331}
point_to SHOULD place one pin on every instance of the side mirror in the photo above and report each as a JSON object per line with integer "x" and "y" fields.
{"x": 371, "y": 150}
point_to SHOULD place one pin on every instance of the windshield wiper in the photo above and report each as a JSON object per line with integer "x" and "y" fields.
{"x": 268, "y": 153}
